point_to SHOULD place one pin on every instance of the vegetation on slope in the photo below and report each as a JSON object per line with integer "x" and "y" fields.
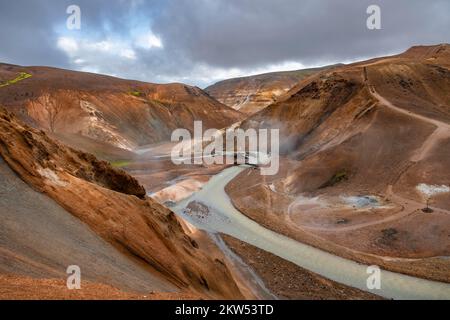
{"x": 20, "y": 77}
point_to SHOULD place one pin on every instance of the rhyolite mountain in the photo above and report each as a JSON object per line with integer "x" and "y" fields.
{"x": 252, "y": 94}
{"x": 370, "y": 132}
{"x": 122, "y": 113}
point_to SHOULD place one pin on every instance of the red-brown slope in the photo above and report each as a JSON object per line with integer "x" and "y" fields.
{"x": 114, "y": 206}
{"x": 375, "y": 128}
{"x": 124, "y": 113}
{"x": 336, "y": 113}
{"x": 252, "y": 94}
{"x": 40, "y": 239}
{"x": 438, "y": 54}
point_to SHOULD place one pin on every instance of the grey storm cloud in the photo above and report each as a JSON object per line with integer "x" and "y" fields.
{"x": 243, "y": 32}
{"x": 202, "y": 39}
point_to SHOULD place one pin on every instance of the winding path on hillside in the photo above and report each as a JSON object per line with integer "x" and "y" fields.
{"x": 442, "y": 130}
{"x": 225, "y": 218}
{"x": 408, "y": 207}
{"x": 398, "y": 215}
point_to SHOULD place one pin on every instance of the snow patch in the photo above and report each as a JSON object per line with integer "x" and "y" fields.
{"x": 431, "y": 190}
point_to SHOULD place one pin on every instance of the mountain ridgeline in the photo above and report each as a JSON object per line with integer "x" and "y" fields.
{"x": 122, "y": 113}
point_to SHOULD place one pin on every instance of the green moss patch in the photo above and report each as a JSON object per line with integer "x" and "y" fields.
{"x": 20, "y": 77}
{"x": 135, "y": 93}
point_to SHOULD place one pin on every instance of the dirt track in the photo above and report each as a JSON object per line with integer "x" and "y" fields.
{"x": 442, "y": 132}
{"x": 442, "y": 129}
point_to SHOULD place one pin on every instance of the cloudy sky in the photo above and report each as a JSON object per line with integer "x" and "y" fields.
{"x": 202, "y": 41}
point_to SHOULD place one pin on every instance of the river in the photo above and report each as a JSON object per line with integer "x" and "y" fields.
{"x": 225, "y": 218}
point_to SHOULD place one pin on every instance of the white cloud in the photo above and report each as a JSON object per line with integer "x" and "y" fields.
{"x": 102, "y": 46}
{"x": 148, "y": 41}
{"x": 118, "y": 56}
{"x": 90, "y": 55}
{"x": 89, "y": 69}
{"x": 68, "y": 45}
{"x": 112, "y": 56}
{"x": 128, "y": 53}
